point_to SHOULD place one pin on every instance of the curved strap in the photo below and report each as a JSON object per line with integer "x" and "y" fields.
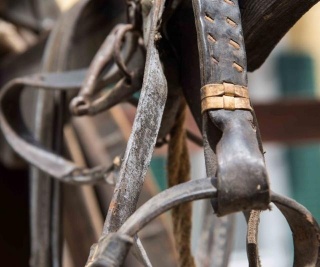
{"x": 82, "y": 104}
{"x": 162, "y": 202}
{"x": 305, "y": 232}
{"x": 22, "y": 141}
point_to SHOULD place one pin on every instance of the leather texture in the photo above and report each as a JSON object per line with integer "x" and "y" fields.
{"x": 225, "y": 102}
{"x": 224, "y": 96}
{"x": 222, "y": 53}
{"x": 232, "y": 142}
{"x": 224, "y": 89}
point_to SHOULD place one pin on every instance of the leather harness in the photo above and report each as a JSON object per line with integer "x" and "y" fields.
{"x": 232, "y": 143}
{"x": 223, "y": 62}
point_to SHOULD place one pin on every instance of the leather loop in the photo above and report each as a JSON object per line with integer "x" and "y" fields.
{"x": 224, "y": 89}
{"x": 304, "y": 227}
{"x": 224, "y": 96}
{"x": 22, "y": 140}
{"x": 225, "y": 102}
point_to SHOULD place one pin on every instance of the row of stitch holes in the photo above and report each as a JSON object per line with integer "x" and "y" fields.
{"x": 233, "y": 43}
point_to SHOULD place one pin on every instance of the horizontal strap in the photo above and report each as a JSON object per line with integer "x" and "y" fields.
{"x": 228, "y": 89}
{"x": 225, "y": 102}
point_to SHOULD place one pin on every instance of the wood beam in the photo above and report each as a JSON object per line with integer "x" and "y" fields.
{"x": 289, "y": 121}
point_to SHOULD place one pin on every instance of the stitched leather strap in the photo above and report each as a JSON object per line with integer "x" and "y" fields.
{"x": 222, "y": 58}
{"x": 242, "y": 181}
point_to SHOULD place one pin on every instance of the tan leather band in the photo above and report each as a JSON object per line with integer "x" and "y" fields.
{"x": 225, "y": 102}
{"x": 224, "y": 96}
{"x": 224, "y": 89}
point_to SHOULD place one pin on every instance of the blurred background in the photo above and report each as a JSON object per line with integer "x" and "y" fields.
{"x": 285, "y": 93}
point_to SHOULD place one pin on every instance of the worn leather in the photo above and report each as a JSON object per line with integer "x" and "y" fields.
{"x": 242, "y": 178}
{"x": 305, "y": 231}
{"x": 24, "y": 143}
{"x": 231, "y": 138}
{"x": 218, "y": 57}
{"x": 304, "y": 227}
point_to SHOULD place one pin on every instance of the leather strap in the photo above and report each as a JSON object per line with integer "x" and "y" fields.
{"x": 222, "y": 55}
{"x": 224, "y": 96}
{"x": 144, "y": 134}
{"x": 305, "y": 232}
{"x": 242, "y": 181}
{"x": 23, "y": 142}
{"x": 303, "y": 225}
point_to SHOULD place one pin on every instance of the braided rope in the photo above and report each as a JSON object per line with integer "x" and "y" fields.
{"x": 179, "y": 172}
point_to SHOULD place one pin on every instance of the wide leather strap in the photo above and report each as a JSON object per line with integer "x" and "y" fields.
{"x": 230, "y": 133}
{"x": 220, "y": 40}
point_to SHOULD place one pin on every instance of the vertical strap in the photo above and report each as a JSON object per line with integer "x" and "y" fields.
{"x": 242, "y": 180}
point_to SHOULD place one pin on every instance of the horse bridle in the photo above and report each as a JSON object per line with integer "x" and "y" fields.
{"x": 230, "y": 129}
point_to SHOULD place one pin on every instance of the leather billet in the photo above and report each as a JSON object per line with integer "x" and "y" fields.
{"x": 233, "y": 145}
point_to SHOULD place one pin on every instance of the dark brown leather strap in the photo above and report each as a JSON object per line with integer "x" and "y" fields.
{"x": 222, "y": 52}
{"x": 305, "y": 232}
{"x": 232, "y": 150}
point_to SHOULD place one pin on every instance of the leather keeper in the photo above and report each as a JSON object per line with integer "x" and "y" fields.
{"x": 224, "y": 96}
{"x": 225, "y": 102}
{"x": 224, "y": 89}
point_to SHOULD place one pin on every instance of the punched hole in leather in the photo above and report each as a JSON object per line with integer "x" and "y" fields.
{"x": 242, "y": 179}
